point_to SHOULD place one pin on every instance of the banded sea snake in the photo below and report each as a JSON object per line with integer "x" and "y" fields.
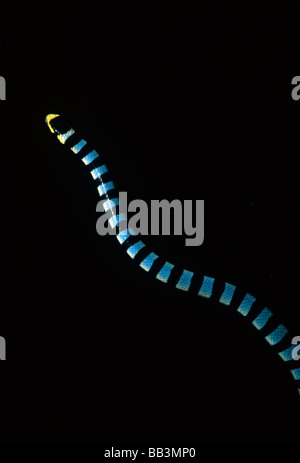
{"x": 278, "y": 338}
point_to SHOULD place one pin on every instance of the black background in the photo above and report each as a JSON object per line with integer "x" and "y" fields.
{"x": 185, "y": 104}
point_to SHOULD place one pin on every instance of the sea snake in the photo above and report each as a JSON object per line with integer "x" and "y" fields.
{"x": 277, "y": 335}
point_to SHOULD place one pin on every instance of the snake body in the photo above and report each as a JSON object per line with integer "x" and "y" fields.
{"x": 279, "y": 338}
